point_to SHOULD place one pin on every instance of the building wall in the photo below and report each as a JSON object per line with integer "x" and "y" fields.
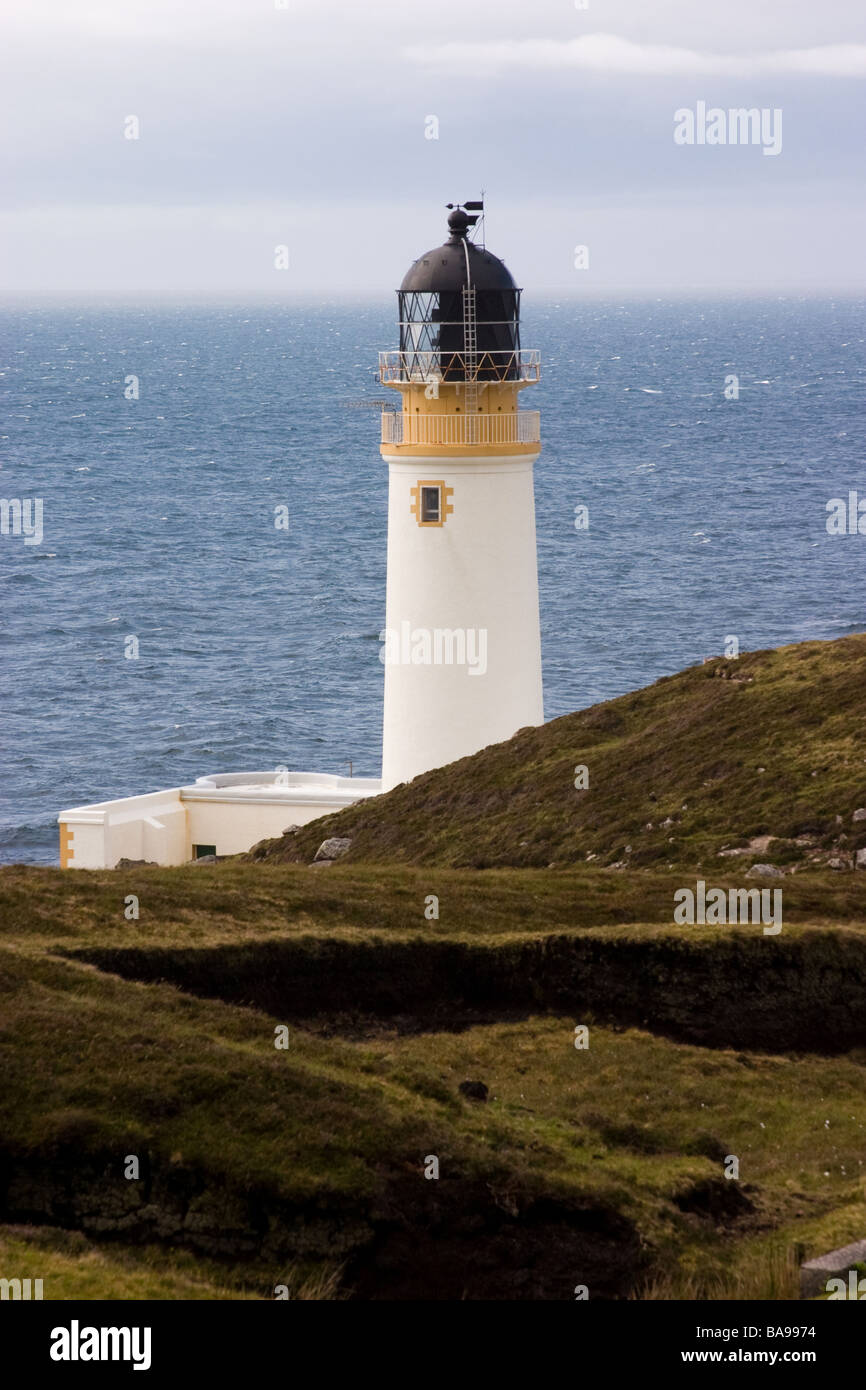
{"x": 477, "y": 570}
{"x": 235, "y": 826}
{"x": 152, "y": 826}
{"x": 162, "y": 827}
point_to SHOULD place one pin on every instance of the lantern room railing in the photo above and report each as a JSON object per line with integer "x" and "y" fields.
{"x": 513, "y": 427}
{"x": 426, "y": 366}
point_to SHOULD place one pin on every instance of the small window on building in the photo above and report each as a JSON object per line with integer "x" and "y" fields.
{"x": 431, "y": 505}
{"x": 199, "y": 851}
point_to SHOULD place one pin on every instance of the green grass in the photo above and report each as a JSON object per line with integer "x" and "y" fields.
{"x": 73, "y": 1267}
{"x": 234, "y": 902}
{"x": 355, "y": 940}
{"x": 313, "y": 1149}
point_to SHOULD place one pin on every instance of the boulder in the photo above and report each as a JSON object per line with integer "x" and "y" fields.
{"x": 860, "y": 859}
{"x": 331, "y": 849}
{"x": 814, "y": 1274}
{"x": 860, "y": 813}
{"x": 765, "y": 871}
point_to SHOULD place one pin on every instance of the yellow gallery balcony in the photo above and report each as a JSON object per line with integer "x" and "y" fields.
{"x": 444, "y": 431}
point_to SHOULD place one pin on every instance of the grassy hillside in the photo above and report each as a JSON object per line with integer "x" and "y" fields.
{"x": 304, "y": 1167}
{"x": 772, "y": 744}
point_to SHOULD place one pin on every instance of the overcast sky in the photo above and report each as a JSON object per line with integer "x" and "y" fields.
{"x": 305, "y": 125}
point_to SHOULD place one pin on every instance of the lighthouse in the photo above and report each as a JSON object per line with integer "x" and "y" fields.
{"x": 461, "y": 645}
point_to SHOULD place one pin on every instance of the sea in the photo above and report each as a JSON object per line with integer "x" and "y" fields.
{"x": 166, "y": 627}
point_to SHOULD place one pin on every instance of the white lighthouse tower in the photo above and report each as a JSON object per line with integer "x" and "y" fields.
{"x": 462, "y": 645}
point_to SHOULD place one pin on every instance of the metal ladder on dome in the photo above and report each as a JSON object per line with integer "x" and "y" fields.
{"x": 470, "y": 356}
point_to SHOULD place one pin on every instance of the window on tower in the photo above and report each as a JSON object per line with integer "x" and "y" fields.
{"x": 431, "y": 501}
{"x": 431, "y": 506}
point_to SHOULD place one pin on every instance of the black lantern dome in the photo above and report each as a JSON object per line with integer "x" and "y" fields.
{"x": 460, "y": 311}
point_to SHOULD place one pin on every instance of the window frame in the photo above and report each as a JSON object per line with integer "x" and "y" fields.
{"x": 425, "y": 519}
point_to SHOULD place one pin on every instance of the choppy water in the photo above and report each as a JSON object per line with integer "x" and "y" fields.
{"x": 257, "y": 647}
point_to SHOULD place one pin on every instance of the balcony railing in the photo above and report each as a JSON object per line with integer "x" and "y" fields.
{"x": 399, "y": 367}
{"x": 518, "y": 427}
